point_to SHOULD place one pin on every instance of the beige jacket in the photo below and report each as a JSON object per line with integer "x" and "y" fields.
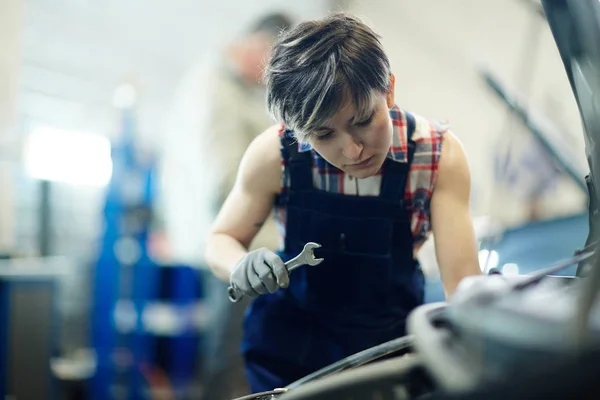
{"x": 214, "y": 118}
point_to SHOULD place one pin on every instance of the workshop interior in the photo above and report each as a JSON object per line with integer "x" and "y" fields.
{"x": 103, "y": 293}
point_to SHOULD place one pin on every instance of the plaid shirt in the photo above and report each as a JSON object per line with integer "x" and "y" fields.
{"x": 427, "y": 137}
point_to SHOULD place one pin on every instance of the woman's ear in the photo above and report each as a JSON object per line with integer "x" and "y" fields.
{"x": 390, "y": 93}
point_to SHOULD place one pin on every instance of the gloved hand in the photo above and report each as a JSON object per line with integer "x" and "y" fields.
{"x": 259, "y": 272}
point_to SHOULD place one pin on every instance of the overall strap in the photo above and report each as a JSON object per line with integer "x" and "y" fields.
{"x": 395, "y": 177}
{"x": 298, "y": 163}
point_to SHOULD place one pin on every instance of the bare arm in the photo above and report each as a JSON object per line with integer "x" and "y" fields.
{"x": 247, "y": 206}
{"x": 455, "y": 243}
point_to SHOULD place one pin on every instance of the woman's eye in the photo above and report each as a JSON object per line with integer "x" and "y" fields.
{"x": 366, "y": 121}
{"x": 324, "y": 136}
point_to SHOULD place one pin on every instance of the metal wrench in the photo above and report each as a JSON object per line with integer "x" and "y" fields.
{"x": 306, "y": 257}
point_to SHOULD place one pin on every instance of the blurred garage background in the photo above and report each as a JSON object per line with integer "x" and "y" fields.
{"x": 93, "y": 301}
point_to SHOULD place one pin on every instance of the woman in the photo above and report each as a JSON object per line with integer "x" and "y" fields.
{"x": 349, "y": 169}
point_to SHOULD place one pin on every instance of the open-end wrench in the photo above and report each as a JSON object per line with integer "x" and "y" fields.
{"x": 306, "y": 257}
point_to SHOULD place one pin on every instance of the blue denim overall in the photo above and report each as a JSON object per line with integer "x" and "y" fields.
{"x": 357, "y": 298}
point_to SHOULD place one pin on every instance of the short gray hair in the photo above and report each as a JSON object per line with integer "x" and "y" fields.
{"x": 318, "y": 66}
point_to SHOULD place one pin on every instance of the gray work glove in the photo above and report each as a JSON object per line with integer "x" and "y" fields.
{"x": 259, "y": 272}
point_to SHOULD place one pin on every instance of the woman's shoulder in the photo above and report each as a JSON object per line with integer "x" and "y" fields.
{"x": 261, "y": 164}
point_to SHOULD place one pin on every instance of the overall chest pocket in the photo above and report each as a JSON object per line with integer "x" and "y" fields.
{"x": 349, "y": 235}
{"x": 354, "y": 280}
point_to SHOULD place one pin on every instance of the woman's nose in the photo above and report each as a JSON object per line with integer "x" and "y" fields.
{"x": 352, "y": 148}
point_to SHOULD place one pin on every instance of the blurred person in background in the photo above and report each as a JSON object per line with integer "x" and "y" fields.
{"x": 219, "y": 108}
{"x": 347, "y": 168}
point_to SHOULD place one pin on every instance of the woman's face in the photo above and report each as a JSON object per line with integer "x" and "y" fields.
{"x": 358, "y": 148}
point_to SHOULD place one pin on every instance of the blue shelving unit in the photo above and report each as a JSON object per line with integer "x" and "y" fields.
{"x": 125, "y": 276}
{"x": 129, "y": 286}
